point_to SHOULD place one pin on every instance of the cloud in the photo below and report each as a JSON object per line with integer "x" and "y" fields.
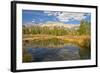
{"x": 67, "y": 16}
{"x": 52, "y": 13}
{"x": 33, "y": 20}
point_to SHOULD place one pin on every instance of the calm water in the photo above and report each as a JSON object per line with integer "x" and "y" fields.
{"x": 59, "y": 52}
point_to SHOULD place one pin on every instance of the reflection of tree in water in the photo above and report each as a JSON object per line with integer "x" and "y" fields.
{"x": 54, "y": 50}
{"x": 53, "y": 42}
{"x": 54, "y": 54}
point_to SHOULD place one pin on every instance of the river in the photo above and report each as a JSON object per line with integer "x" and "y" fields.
{"x": 59, "y": 53}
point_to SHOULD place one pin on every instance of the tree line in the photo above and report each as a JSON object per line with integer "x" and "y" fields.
{"x": 84, "y": 29}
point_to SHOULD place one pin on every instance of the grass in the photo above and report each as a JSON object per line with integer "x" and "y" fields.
{"x": 82, "y": 41}
{"x": 27, "y": 57}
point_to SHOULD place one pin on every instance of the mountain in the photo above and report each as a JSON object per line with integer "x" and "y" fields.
{"x": 60, "y": 25}
{"x": 55, "y": 24}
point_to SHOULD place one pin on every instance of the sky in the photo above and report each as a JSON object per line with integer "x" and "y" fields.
{"x": 40, "y": 17}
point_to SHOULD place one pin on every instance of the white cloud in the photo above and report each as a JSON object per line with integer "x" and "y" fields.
{"x": 53, "y": 13}
{"x": 33, "y": 20}
{"x": 67, "y": 16}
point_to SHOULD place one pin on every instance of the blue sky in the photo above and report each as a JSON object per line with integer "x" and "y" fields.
{"x": 37, "y": 17}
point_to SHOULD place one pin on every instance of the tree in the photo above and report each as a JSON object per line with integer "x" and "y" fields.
{"x": 84, "y": 28}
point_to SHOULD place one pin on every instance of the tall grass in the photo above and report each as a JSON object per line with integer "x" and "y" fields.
{"x": 27, "y": 57}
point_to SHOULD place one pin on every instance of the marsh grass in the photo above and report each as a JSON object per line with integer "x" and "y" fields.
{"x": 27, "y": 57}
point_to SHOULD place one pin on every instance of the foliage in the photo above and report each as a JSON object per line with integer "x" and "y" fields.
{"x": 84, "y": 29}
{"x": 26, "y": 56}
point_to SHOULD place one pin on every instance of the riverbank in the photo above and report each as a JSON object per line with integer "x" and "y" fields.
{"x": 50, "y": 40}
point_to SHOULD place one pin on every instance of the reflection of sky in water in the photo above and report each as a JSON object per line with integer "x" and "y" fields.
{"x": 55, "y": 54}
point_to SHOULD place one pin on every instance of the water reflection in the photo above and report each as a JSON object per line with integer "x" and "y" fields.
{"x": 54, "y": 54}
{"x": 39, "y": 51}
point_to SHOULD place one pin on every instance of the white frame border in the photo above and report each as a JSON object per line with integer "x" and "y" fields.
{"x": 38, "y": 65}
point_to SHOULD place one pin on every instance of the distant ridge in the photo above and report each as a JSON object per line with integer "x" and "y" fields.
{"x": 55, "y": 24}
